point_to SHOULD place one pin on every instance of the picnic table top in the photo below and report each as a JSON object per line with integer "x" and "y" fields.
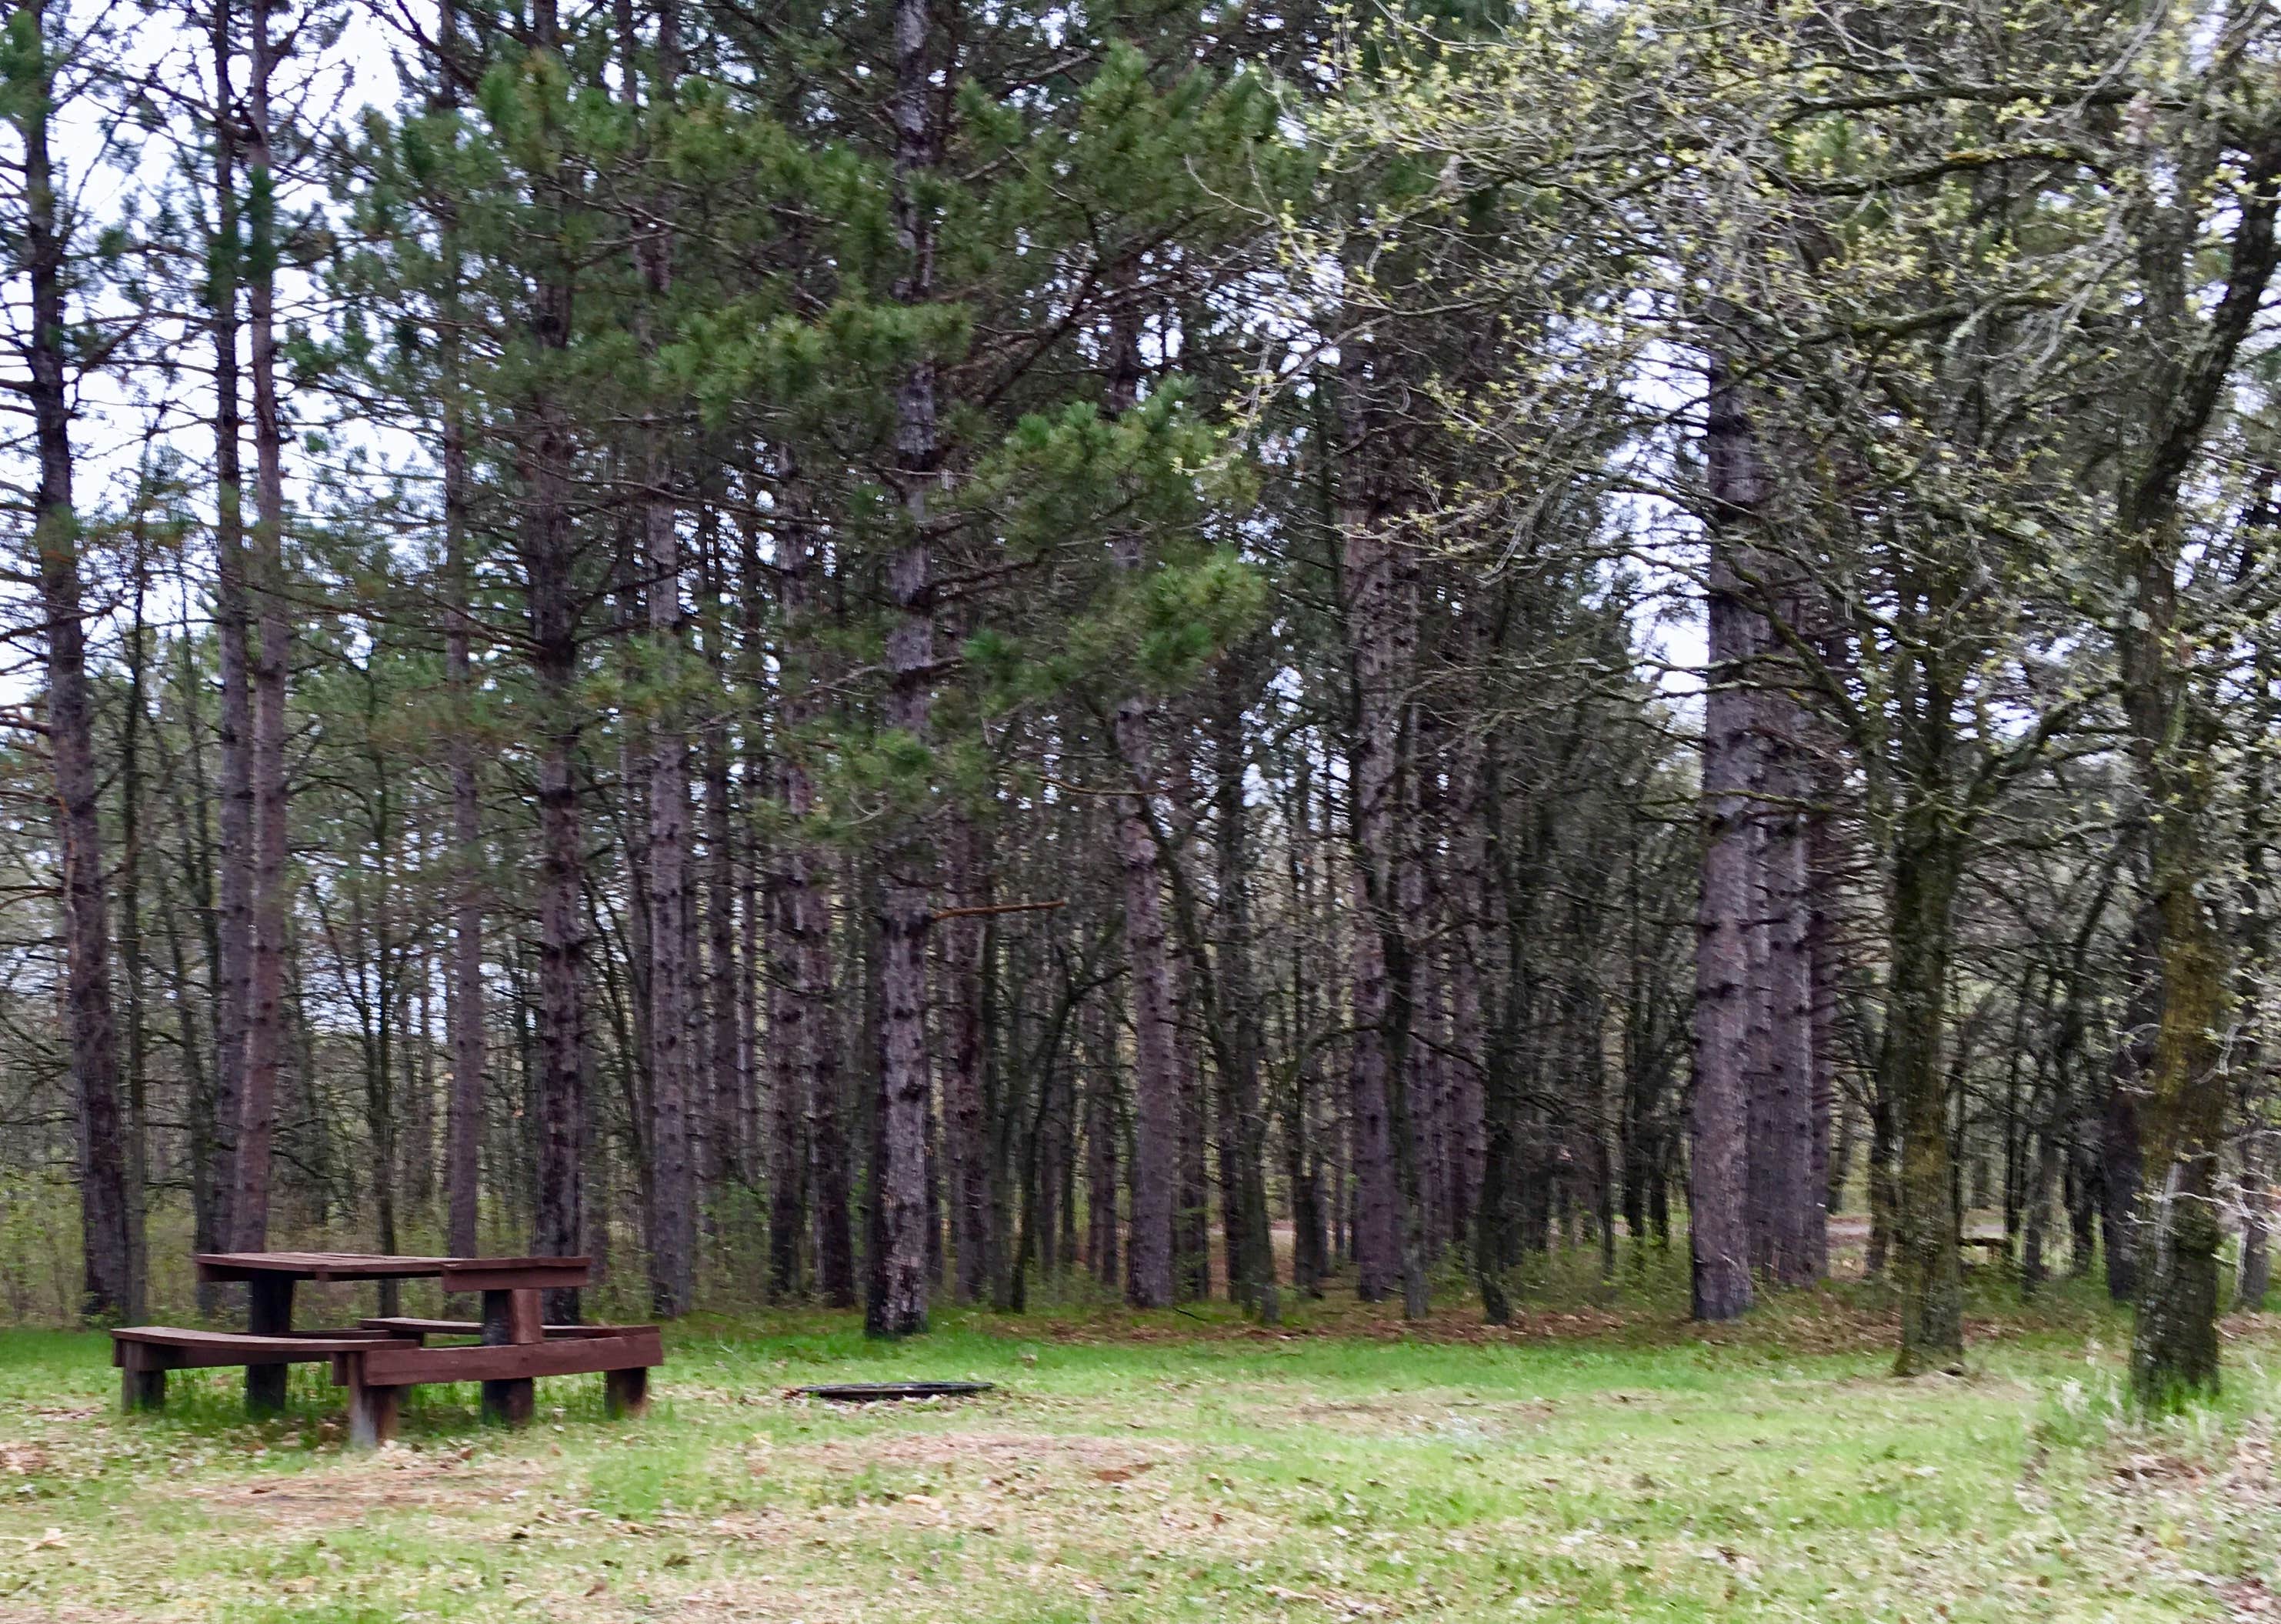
{"x": 470, "y": 1273}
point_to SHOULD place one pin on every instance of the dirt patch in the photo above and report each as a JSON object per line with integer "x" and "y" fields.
{"x": 2144, "y": 1470}
{"x": 992, "y": 1454}
{"x": 2250, "y": 1599}
{"x": 393, "y": 1480}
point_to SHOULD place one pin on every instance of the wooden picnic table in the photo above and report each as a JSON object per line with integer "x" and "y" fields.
{"x": 516, "y": 1347}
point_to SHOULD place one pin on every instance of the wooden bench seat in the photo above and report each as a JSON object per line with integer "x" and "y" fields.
{"x": 144, "y": 1353}
{"x": 159, "y": 1347}
{"x": 376, "y": 1373}
{"x": 405, "y": 1325}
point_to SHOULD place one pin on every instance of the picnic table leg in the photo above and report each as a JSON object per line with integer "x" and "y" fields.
{"x": 626, "y": 1392}
{"x": 372, "y": 1411}
{"x": 511, "y": 1316}
{"x": 141, "y": 1390}
{"x": 268, "y": 1312}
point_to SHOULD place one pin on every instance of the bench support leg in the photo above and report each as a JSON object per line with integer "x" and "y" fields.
{"x": 372, "y": 1414}
{"x": 511, "y": 1317}
{"x": 511, "y": 1403}
{"x": 268, "y": 1312}
{"x": 626, "y": 1392}
{"x": 141, "y": 1390}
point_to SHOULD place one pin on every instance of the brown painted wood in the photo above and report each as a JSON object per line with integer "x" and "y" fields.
{"x": 509, "y": 1396}
{"x": 314, "y": 1266}
{"x": 268, "y": 1312}
{"x": 403, "y": 1324}
{"x": 511, "y": 1403}
{"x": 407, "y": 1324}
{"x": 372, "y": 1411}
{"x": 180, "y": 1336}
{"x": 141, "y": 1390}
{"x": 522, "y": 1321}
{"x": 626, "y": 1391}
{"x": 541, "y": 1273}
{"x": 510, "y": 1362}
{"x": 148, "y": 1348}
{"x": 458, "y": 1274}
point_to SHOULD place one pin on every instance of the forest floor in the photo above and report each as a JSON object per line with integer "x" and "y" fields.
{"x": 1598, "y": 1461}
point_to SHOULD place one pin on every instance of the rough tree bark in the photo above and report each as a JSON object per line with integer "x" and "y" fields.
{"x": 1929, "y": 1279}
{"x": 1154, "y": 1169}
{"x": 548, "y": 558}
{"x": 1101, "y": 1142}
{"x": 463, "y": 1003}
{"x": 1718, "y": 1159}
{"x": 1790, "y": 1191}
{"x": 2256, "y": 1067}
{"x": 898, "y": 1297}
{"x": 2121, "y": 1155}
{"x": 272, "y": 654}
{"x": 675, "y": 1123}
{"x": 1244, "y": 1161}
{"x": 1381, "y": 638}
{"x": 2174, "y": 734}
{"x": 966, "y": 1129}
{"x": 673, "y": 1197}
{"x": 808, "y": 1145}
{"x": 726, "y": 1147}
{"x": 212, "y": 1227}
{"x": 463, "y": 1011}
{"x": 107, "y": 1282}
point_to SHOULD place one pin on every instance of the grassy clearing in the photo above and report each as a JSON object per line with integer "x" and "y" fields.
{"x": 1596, "y": 1463}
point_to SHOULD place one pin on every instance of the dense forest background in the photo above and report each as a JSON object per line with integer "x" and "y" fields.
{"x": 918, "y": 651}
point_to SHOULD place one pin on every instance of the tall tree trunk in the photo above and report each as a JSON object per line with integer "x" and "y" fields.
{"x": 724, "y": 1138}
{"x": 1243, "y": 1161}
{"x": 673, "y": 1201}
{"x": 1791, "y": 1190}
{"x": 726, "y": 1148}
{"x": 1380, "y": 636}
{"x": 1303, "y": 1156}
{"x": 2043, "y": 1177}
{"x": 108, "y": 1278}
{"x": 899, "y": 1262}
{"x": 137, "y": 1178}
{"x": 1719, "y": 1152}
{"x": 548, "y": 556}
{"x": 463, "y": 1008}
{"x": 820, "y": 1095}
{"x": 2254, "y": 1068}
{"x": 2175, "y": 737}
{"x": 1153, "y": 1171}
{"x": 1926, "y": 1241}
{"x": 272, "y": 654}
{"x": 1825, "y": 971}
{"x": 800, "y": 1036}
{"x": 789, "y": 1039}
{"x": 2255, "y": 1277}
{"x": 212, "y": 1226}
{"x": 2174, "y": 1348}
{"x": 1101, "y": 1145}
{"x": 676, "y": 1120}
{"x": 964, "y": 1120}
{"x": 1192, "y": 1211}
{"x": 1468, "y": 898}
{"x": 2121, "y": 1151}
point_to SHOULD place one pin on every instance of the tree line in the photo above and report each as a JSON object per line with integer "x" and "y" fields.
{"x": 928, "y": 652}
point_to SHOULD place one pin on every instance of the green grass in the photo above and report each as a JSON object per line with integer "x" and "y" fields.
{"x": 1599, "y": 1461}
